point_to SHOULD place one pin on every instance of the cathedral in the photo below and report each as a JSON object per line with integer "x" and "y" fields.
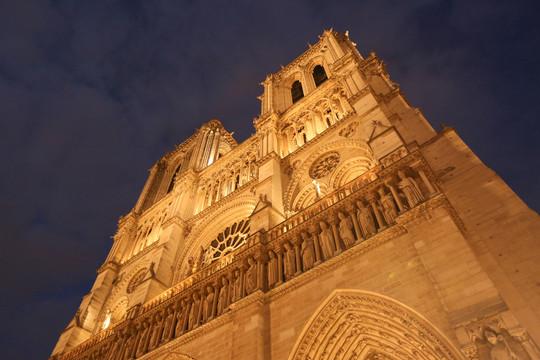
{"x": 345, "y": 227}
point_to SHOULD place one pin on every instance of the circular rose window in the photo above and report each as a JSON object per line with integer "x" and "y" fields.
{"x": 324, "y": 165}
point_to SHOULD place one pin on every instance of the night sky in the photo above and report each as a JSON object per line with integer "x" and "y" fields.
{"x": 93, "y": 93}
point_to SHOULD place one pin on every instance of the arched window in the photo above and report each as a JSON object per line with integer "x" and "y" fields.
{"x": 171, "y": 185}
{"x": 296, "y": 91}
{"x": 319, "y": 75}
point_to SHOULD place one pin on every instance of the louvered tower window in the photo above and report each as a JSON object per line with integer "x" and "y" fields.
{"x": 319, "y": 75}
{"x": 296, "y": 91}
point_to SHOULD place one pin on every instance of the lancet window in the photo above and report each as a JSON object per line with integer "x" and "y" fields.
{"x": 221, "y": 184}
{"x": 148, "y": 233}
{"x": 296, "y": 91}
{"x": 319, "y": 75}
{"x": 312, "y": 121}
{"x": 171, "y": 185}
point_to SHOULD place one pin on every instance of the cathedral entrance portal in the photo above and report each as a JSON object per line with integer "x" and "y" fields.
{"x": 354, "y": 324}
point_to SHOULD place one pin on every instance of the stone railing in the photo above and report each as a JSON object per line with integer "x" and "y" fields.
{"x": 362, "y": 209}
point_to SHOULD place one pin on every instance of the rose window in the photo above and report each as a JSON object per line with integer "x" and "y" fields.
{"x": 324, "y": 165}
{"x": 227, "y": 241}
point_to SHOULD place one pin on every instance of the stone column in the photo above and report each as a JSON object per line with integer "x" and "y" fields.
{"x": 280, "y": 266}
{"x": 296, "y": 244}
{"x": 396, "y": 197}
{"x": 317, "y": 246}
{"x": 336, "y": 237}
{"x": 426, "y": 182}
{"x": 378, "y": 216}
{"x": 359, "y": 237}
{"x": 214, "y": 303}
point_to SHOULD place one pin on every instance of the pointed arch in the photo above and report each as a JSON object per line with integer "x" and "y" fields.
{"x": 365, "y": 325}
{"x": 177, "y": 356}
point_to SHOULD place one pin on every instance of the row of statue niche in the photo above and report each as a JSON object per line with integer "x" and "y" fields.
{"x": 327, "y": 244}
{"x": 500, "y": 345}
{"x": 188, "y": 315}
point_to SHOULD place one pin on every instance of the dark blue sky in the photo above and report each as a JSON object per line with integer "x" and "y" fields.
{"x": 93, "y": 93}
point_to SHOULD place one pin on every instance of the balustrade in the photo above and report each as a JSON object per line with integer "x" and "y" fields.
{"x": 336, "y": 223}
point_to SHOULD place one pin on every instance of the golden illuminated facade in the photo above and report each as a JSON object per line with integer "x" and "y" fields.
{"x": 344, "y": 228}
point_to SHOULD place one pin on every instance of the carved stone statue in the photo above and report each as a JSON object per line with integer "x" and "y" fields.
{"x": 307, "y": 251}
{"x": 145, "y": 331}
{"x": 346, "y": 229}
{"x": 365, "y": 220}
{"x": 273, "y": 273}
{"x": 208, "y": 303}
{"x": 237, "y": 285}
{"x": 195, "y": 262}
{"x": 181, "y": 318}
{"x": 156, "y": 328}
{"x": 388, "y": 207}
{"x": 194, "y": 312}
{"x": 168, "y": 326}
{"x": 410, "y": 189}
{"x": 504, "y": 347}
{"x": 129, "y": 347}
{"x": 327, "y": 241}
{"x": 289, "y": 261}
{"x": 223, "y": 301}
{"x": 251, "y": 276}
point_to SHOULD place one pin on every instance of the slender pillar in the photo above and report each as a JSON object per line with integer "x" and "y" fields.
{"x": 426, "y": 181}
{"x": 396, "y": 197}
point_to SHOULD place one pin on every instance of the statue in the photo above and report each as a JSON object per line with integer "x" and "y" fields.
{"x": 410, "y": 189}
{"x": 346, "y": 229}
{"x": 223, "y": 296}
{"x": 273, "y": 273}
{"x": 208, "y": 304}
{"x": 327, "y": 241}
{"x": 167, "y": 326}
{"x": 156, "y": 327}
{"x": 307, "y": 251}
{"x": 388, "y": 207}
{"x": 365, "y": 220}
{"x": 141, "y": 347}
{"x": 237, "y": 285}
{"x": 289, "y": 261}
{"x": 180, "y": 318}
{"x": 194, "y": 313}
{"x": 195, "y": 262}
{"x": 129, "y": 347}
{"x": 501, "y": 347}
{"x": 251, "y": 276}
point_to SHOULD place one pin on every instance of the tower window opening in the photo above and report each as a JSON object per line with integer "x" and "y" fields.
{"x": 296, "y": 91}
{"x": 171, "y": 185}
{"x": 319, "y": 75}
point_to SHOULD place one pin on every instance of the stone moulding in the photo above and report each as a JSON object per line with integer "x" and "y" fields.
{"x": 358, "y": 324}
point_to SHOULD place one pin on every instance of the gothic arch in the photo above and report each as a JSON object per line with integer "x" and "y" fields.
{"x": 301, "y": 177}
{"x": 365, "y": 325}
{"x": 177, "y": 356}
{"x": 209, "y": 227}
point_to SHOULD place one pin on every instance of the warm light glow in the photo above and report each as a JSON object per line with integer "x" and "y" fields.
{"x": 317, "y": 187}
{"x": 107, "y": 321}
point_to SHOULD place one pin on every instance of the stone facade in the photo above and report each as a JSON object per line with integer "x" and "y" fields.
{"x": 344, "y": 228}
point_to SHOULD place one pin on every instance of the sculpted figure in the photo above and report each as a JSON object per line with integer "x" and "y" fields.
{"x": 194, "y": 312}
{"x": 272, "y": 269}
{"x": 208, "y": 303}
{"x": 141, "y": 347}
{"x": 307, "y": 251}
{"x": 289, "y": 261}
{"x": 251, "y": 276}
{"x": 346, "y": 229}
{"x": 327, "y": 241}
{"x": 156, "y": 327}
{"x": 113, "y": 354}
{"x": 180, "y": 318}
{"x": 388, "y": 207}
{"x": 237, "y": 285}
{"x": 223, "y": 296}
{"x": 168, "y": 326}
{"x": 128, "y": 349}
{"x": 365, "y": 220}
{"x": 500, "y": 348}
{"x": 410, "y": 189}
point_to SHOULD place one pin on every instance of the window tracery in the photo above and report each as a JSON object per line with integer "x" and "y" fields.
{"x": 227, "y": 241}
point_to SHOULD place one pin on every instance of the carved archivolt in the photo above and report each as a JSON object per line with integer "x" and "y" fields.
{"x": 317, "y": 163}
{"x": 208, "y": 228}
{"x": 356, "y": 324}
{"x": 177, "y": 356}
